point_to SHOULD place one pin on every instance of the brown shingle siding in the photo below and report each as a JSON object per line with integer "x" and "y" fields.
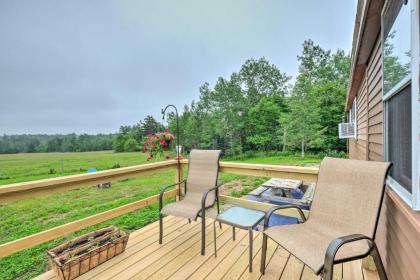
{"x": 398, "y": 233}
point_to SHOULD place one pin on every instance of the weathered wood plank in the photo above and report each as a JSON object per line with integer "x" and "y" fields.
{"x": 131, "y": 266}
{"x": 136, "y": 238}
{"x": 234, "y": 256}
{"x": 293, "y": 269}
{"x": 176, "y": 258}
{"x": 276, "y": 265}
{"x": 308, "y": 274}
{"x": 256, "y": 262}
{"x": 242, "y": 264}
{"x": 185, "y": 270}
{"x": 179, "y": 257}
{"x": 222, "y": 253}
{"x": 171, "y": 232}
{"x": 338, "y": 272}
{"x": 353, "y": 270}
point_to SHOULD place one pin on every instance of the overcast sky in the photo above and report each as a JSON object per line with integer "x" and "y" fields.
{"x": 93, "y": 65}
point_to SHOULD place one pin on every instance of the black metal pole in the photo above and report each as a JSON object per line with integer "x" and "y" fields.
{"x": 178, "y": 149}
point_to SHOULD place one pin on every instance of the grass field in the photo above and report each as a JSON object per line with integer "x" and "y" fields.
{"x": 22, "y": 218}
{"x": 27, "y": 167}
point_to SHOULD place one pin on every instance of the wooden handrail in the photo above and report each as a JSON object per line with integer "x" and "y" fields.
{"x": 63, "y": 230}
{"x": 22, "y": 190}
{"x": 307, "y": 174}
{"x": 41, "y": 187}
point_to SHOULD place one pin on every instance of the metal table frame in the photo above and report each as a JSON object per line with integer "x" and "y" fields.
{"x": 237, "y": 225}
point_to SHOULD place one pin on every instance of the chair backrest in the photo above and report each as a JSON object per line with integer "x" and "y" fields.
{"x": 348, "y": 195}
{"x": 203, "y": 170}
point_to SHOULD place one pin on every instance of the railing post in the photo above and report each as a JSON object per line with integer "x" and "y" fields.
{"x": 179, "y": 176}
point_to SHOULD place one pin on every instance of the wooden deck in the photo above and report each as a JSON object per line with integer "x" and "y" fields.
{"x": 179, "y": 257}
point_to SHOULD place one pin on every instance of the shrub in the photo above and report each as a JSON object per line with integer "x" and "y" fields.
{"x": 4, "y": 177}
{"x": 131, "y": 145}
{"x": 116, "y": 165}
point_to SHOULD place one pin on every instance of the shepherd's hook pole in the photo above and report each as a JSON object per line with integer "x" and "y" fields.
{"x": 178, "y": 149}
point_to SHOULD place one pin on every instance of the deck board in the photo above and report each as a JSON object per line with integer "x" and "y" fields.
{"x": 179, "y": 257}
{"x": 191, "y": 259}
{"x": 293, "y": 269}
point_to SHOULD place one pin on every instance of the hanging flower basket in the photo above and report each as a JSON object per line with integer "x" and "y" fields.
{"x": 78, "y": 256}
{"x": 158, "y": 144}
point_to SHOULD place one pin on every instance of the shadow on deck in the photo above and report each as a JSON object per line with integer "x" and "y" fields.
{"x": 179, "y": 257}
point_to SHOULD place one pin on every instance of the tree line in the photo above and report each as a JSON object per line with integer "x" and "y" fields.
{"x": 261, "y": 108}
{"x": 258, "y": 108}
{"x": 42, "y": 143}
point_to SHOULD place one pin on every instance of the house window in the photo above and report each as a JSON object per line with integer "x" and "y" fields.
{"x": 396, "y": 46}
{"x": 399, "y": 137}
{"x": 400, "y": 88}
{"x": 353, "y": 116}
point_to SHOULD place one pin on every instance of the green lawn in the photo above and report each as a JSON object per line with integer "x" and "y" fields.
{"x": 27, "y": 167}
{"x": 22, "y": 218}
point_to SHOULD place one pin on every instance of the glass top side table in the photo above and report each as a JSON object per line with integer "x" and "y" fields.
{"x": 243, "y": 218}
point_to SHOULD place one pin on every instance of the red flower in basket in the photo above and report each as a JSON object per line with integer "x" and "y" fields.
{"x": 158, "y": 144}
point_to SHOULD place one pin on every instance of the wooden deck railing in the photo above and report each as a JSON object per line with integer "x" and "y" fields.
{"x": 41, "y": 187}
{"x": 18, "y": 191}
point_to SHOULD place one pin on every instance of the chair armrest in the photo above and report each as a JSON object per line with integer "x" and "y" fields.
{"x": 204, "y": 197}
{"x": 275, "y": 208}
{"x": 335, "y": 246}
{"x": 162, "y": 191}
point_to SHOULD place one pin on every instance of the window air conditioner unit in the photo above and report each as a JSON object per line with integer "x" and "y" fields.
{"x": 346, "y": 130}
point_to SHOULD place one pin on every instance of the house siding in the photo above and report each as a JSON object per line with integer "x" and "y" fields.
{"x": 398, "y": 233}
{"x": 398, "y": 238}
{"x": 374, "y": 102}
{"x": 358, "y": 147}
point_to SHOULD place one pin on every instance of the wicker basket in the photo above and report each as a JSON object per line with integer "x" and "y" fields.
{"x": 78, "y": 256}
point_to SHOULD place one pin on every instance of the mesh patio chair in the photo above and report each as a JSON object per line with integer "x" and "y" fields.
{"x": 200, "y": 191}
{"x": 343, "y": 217}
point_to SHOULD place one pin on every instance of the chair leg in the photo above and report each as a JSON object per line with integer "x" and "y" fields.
{"x": 160, "y": 228}
{"x": 189, "y": 221}
{"x": 251, "y": 239}
{"x": 263, "y": 253}
{"x": 214, "y": 239}
{"x": 328, "y": 274}
{"x": 378, "y": 262}
{"x": 328, "y": 270}
{"x": 203, "y": 234}
{"x": 218, "y": 211}
{"x": 233, "y": 234}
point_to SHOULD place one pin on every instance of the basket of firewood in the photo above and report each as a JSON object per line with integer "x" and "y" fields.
{"x": 75, "y": 257}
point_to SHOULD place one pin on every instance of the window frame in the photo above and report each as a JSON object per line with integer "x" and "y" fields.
{"x": 353, "y": 116}
{"x": 413, "y": 198}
